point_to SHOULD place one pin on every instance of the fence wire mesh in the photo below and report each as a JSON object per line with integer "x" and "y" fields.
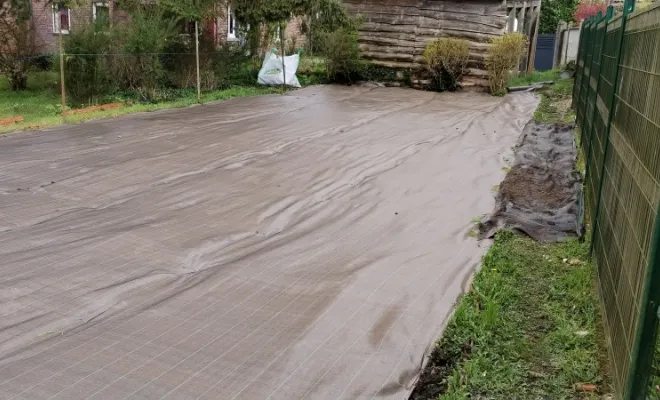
{"x": 617, "y": 103}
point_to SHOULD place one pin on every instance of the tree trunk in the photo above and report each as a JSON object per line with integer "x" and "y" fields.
{"x": 18, "y": 81}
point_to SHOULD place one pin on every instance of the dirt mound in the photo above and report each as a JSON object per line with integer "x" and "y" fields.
{"x": 541, "y": 194}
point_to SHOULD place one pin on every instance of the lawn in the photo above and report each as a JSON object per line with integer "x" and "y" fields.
{"x": 40, "y": 101}
{"x": 40, "y": 105}
{"x": 528, "y": 327}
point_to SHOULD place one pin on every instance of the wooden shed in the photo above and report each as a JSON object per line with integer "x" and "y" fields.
{"x": 395, "y": 32}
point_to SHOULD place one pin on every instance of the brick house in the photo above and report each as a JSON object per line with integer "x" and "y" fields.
{"x": 51, "y": 21}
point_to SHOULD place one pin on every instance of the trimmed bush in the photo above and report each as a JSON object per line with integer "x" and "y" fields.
{"x": 504, "y": 56}
{"x": 446, "y": 59}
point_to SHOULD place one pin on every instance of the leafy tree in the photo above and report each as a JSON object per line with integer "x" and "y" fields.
{"x": 19, "y": 46}
{"x": 258, "y": 13}
{"x": 323, "y": 17}
{"x": 587, "y": 8}
{"x": 555, "y": 11}
{"x": 266, "y": 13}
{"x": 193, "y": 10}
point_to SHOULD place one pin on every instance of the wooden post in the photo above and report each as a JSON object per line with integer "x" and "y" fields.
{"x": 568, "y": 42}
{"x": 521, "y": 17}
{"x": 199, "y": 89}
{"x": 283, "y": 46}
{"x": 511, "y": 20}
{"x": 63, "y": 87}
{"x": 535, "y": 33}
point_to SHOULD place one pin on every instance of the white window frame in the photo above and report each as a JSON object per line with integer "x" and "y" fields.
{"x": 98, "y": 4}
{"x": 57, "y": 20}
{"x": 231, "y": 33}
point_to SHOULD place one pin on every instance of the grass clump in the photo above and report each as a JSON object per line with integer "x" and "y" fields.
{"x": 555, "y": 106}
{"x": 504, "y": 56}
{"x": 446, "y": 60}
{"x": 535, "y": 77}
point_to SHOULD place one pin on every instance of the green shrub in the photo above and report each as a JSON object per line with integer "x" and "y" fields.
{"x": 45, "y": 62}
{"x": 86, "y": 74}
{"x": 446, "y": 60}
{"x": 321, "y": 18}
{"x": 180, "y": 62}
{"x": 504, "y": 55}
{"x": 234, "y": 66}
{"x": 139, "y": 67}
{"x": 377, "y": 73}
{"x": 342, "y": 54}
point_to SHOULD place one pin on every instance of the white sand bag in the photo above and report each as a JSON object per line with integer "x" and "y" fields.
{"x": 271, "y": 70}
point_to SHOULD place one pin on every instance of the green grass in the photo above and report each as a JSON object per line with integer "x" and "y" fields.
{"x": 535, "y": 77}
{"x": 526, "y": 329}
{"x": 555, "y": 103}
{"x": 41, "y": 100}
{"x": 40, "y": 105}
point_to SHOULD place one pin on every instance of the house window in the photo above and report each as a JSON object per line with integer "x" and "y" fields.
{"x": 61, "y": 19}
{"x": 231, "y": 25}
{"x": 101, "y": 12}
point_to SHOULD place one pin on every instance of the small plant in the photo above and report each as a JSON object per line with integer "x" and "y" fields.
{"x": 504, "y": 55}
{"x": 342, "y": 54}
{"x": 446, "y": 60}
{"x": 570, "y": 66}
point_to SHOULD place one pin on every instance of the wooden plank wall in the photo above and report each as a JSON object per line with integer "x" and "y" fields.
{"x": 395, "y": 32}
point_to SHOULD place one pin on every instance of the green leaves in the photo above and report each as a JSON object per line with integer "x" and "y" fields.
{"x": 193, "y": 10}
{"x": 555, "y": 11}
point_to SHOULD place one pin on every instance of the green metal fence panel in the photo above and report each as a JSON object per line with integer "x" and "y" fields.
{"x": 586, "y": 76}
{"x": 595, "y": 157}
{"x": 579, "y": 68}
{"x": 636, "y": 131}
{"x": 617, "y": 104}
{"x": 589, "y": 126}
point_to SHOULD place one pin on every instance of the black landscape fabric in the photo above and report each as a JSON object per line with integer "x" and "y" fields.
{"x": 541, "y": 194}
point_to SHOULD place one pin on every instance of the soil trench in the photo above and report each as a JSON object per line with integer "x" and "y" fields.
{"x": 541, "y": 194}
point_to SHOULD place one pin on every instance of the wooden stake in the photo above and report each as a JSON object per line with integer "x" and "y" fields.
{"x": 283, "y": 45}
{"x": 63, "y": 87}
{"x": 199, "y": 89}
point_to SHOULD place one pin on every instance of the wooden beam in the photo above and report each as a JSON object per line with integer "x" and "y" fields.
{"x": 535, "y": 33}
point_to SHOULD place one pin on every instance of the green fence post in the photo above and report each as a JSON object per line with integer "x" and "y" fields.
{"x": 608, "y": 17}
{"x": 628, "y": 7}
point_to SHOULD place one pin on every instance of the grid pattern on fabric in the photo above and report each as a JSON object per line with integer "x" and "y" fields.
{"x": 616, "y": 99}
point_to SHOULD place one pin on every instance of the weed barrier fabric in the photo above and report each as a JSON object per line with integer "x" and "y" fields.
{"x": 309, "y": 245}
{"x": 541, "y": 194}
